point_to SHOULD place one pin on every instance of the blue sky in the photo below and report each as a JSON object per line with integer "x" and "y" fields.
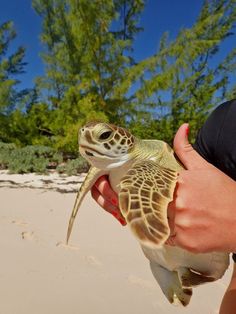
{"x": 159, "y": 16}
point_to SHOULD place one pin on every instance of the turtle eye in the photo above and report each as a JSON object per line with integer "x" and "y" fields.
{"x": 105, "y": 135}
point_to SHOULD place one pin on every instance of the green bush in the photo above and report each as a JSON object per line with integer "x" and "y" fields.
{"x": 6, "y": 150}
{"x": 24, "y": 161}
{"x": 29, "y": 159}
{"x": 38, "y": 159}
{"x": 73, "y": 167}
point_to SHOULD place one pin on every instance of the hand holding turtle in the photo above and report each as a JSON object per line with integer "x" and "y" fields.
{"x": 202, "y": 215}
{"x": 107, "y": 198}
{"x": 203, "y": 212}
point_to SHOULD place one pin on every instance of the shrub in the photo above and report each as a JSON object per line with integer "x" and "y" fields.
{"x": 6, "y": 150}
{"x": 38, "y": 159}
{"x": 74, "y": 166}
{"x": 27, "y": 159}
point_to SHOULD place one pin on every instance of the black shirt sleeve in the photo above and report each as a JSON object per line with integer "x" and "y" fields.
{"x": 216, "y": 140}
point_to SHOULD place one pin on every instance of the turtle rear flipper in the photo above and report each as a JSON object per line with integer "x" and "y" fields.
{"x": 170, "y": 285}
{"x": 190, "y": 278}
{"x": 146, "y": 190}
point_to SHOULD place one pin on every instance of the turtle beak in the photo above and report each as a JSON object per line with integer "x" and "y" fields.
{"x": 88, "y": 153}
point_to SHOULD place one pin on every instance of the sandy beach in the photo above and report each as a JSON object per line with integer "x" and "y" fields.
{"x": 102, "y": 271}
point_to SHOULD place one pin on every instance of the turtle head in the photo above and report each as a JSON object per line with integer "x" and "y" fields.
{"x": 105, "y": 145}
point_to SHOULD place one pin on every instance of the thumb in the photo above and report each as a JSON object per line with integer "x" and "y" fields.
{"x": 187, "y": 155}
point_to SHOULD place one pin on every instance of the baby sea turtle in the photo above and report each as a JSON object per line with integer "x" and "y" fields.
{"x": 144, "y": 174}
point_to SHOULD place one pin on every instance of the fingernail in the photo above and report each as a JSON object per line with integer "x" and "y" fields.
{"x": 122, "y": 221}
{"x": 114, "y": 214}
{"x": 114, "y": 201}
{"x": 187, "y": 130}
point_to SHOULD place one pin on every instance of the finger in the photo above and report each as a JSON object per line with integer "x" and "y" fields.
{"x": 185, "y": 241}
{"x": 170, "y": 241}
{"x": 187, "y": 155}
{"x": 171, "y": 216}
{"x": 105, "y": 204}
{"x": 171, "y": 210}
{"x": 182, "y": 243}
{"x": 171, "y": 222}
{"x": 103, "y": 186}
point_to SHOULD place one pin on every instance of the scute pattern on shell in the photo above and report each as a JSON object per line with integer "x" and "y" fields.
{"x": 146, "y": 190}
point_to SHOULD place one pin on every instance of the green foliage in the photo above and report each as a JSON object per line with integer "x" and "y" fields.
{"x": 90, "y": 73}
{"x": 27, "y": 159}
{"x": 38, "y": 159}
{"x": 185, "y": 79}
{"x": 5, "y": 153}
{"x": 23, "y": 161}
{"x": 10, "y": 66}
{"x": 88, "y": 46}
{"x": 12, "y": 100}
{"x": 73, "y": 167}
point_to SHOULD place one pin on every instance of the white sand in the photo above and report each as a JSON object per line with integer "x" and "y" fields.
{"x": 51, "y": 181}
{"x": 103, "y": 271}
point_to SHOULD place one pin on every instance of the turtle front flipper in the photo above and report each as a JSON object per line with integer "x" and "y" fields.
{"x": 146, "y": 191}
{"x": 89, "y": 181}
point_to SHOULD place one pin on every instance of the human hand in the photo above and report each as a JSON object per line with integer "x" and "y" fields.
{"x": 202, "y": 216}
{"x": 107, "y": 198}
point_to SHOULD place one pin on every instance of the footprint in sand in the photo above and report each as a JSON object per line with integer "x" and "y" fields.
{"x": 4, "y": 219}
{"x": 20, "y": 223}
{"x": 141, "y": 282}
{"x": 92, "y": 260}
{"x": 67, "y": 246}
{"x": 28, "y": 235}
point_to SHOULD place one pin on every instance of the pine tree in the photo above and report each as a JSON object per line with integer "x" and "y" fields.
{"x": 91, "y": 74}
{"x": 88, "y": 48}
{"x": 11, "y": 65}
{"x": 185, "y": 78}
